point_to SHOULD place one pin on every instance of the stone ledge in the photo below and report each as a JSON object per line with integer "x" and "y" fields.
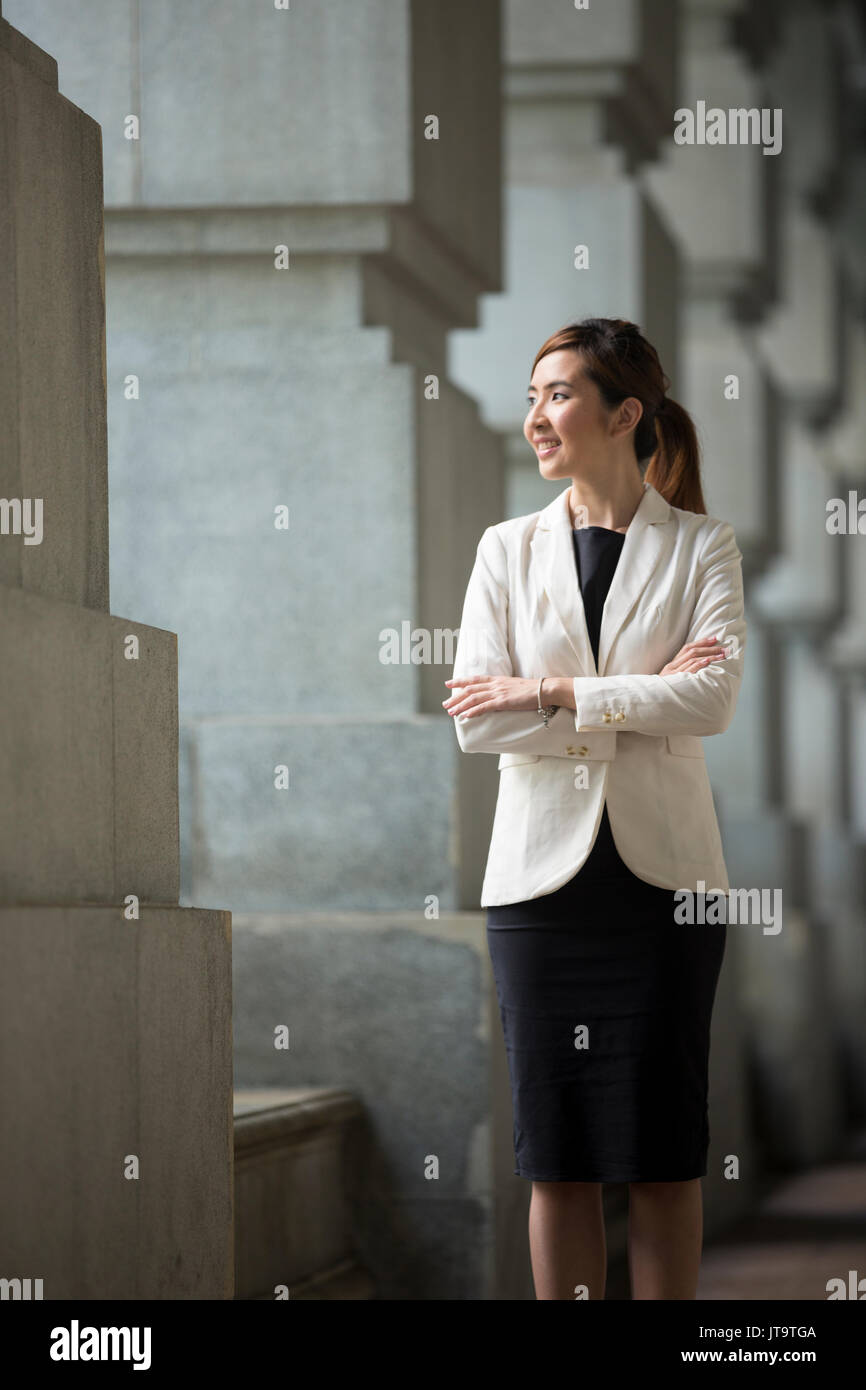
{"x": 272, "y": 1119}
{"x": 292, "y": 1174}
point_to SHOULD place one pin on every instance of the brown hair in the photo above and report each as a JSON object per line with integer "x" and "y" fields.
{"x": 618, "y": 359}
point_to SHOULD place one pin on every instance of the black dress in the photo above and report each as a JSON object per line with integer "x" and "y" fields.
{"x": 605, "y": 1001}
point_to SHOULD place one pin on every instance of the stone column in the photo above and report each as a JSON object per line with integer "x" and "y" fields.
{"x": 798, "y": 601}
{"x": 290, "y": 234}
{"x": 838, "y": 863}
{"x": 845, "y": 462}
{"x": 588, "y": 98}
{"x": 115, "y": 1003}
{"x": 762, "y": 312}
{"x": 715, "y": 202}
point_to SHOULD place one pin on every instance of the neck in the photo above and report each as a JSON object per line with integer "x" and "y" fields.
{"x": 611, "y": 505}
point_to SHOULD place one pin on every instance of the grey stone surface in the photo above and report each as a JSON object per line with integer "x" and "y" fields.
{"x": 612, "y": 65}
{"x": 327, "y": 105}
{"x": 743, "y": 767}
{"x": 511, "y": 1277}
{"x": 365, "y": 822}
{"x": 115, "y": 1032}
{"x": 242, "y": 407}
{"x": 269, "y": 620}
{"x": 837, "y": 878}
{"x": 454, "y": 506}
{"x": 113, "y": 1047}
{"x": 476, "y": 790}
{"x": 88, "y": 751}
{"x": 394, "y": 1008}
{"x": 630, "y": 275}
{"x": 730, "y": 1117}
{"x": 56, "y": 735}
{"x": 428, "y": 1248}
{"x": 786, "y": 995}
{"x": 734, "y": 433}
{"x": 146, "y": 818}
{"x": 292, "y": 1217}
{"x": 814, "y": 756}
{"x": 52, "y": 365}
{"x": 403, "y": 1012}
{"x": 718, "y": 207}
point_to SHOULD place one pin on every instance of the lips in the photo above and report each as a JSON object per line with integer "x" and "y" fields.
{"x": 546, "y": 446}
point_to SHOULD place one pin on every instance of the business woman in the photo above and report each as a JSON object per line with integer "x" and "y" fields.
{"x": 601, "y": 640}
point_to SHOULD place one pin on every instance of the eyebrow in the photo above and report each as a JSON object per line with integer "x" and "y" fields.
{"x": 570, "y": 384}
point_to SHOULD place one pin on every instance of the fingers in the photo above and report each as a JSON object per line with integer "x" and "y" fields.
{"x": 701, "y": 647}
{"x": 466, "y": 691}
{"x": 683, "y": 661}
{"x": 462, "y": 700}
{"x": 471, "y": 707}
{"x": 694, "y": 655}
{"x": 697, "y": 663}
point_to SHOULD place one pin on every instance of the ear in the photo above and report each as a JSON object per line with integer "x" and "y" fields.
{"x": 628, "y": 415}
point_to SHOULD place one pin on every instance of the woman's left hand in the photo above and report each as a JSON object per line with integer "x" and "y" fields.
{"x": 482, "y": 694}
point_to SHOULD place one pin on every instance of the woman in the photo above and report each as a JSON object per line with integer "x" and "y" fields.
{"x": 601, "y": 640}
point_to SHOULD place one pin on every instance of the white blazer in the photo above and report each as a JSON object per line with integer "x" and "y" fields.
{"x": 635, "y": 738}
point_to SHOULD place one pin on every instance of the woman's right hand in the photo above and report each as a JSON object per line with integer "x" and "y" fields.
{"x": 694, "y": 656}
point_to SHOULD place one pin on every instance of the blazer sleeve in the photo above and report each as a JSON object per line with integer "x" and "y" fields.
{"x": 482, "y": 650}
{"x": 700, "y": 702}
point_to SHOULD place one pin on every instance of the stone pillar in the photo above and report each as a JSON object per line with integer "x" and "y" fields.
{"x": 362, "y": 137}
{"x": 715, "y": 203}
{"x": 798, "y": 601}
{"x": 115, "y": 1003}
{"x": 845, "y": 462}
{"x": 588, "y": 98}
{"x": 762, "y": 309}
{"x": 838, "y": 863}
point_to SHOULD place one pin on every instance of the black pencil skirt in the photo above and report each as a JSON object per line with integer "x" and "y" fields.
{"x": 606, "y": 1003}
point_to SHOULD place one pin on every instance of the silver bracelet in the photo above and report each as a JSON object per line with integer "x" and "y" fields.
{"x": 545, "y": 710}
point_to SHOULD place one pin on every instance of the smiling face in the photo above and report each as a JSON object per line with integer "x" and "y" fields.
{"x": 568, "y": 424}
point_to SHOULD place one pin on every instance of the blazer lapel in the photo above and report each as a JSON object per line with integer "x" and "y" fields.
{"x": 552, "y": 548}
{"x": 641, "y": 552}
{"x": 553, "y": 552}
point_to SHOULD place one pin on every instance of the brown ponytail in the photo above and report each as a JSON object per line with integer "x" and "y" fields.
{"x": 674, "y": 466}
{"x": 619, "y": 360}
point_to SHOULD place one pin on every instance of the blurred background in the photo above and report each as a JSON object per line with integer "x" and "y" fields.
{"x": 285, "y": 376}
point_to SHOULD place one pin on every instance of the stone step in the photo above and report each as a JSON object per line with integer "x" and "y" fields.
{"x": 292, "y": 1214}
